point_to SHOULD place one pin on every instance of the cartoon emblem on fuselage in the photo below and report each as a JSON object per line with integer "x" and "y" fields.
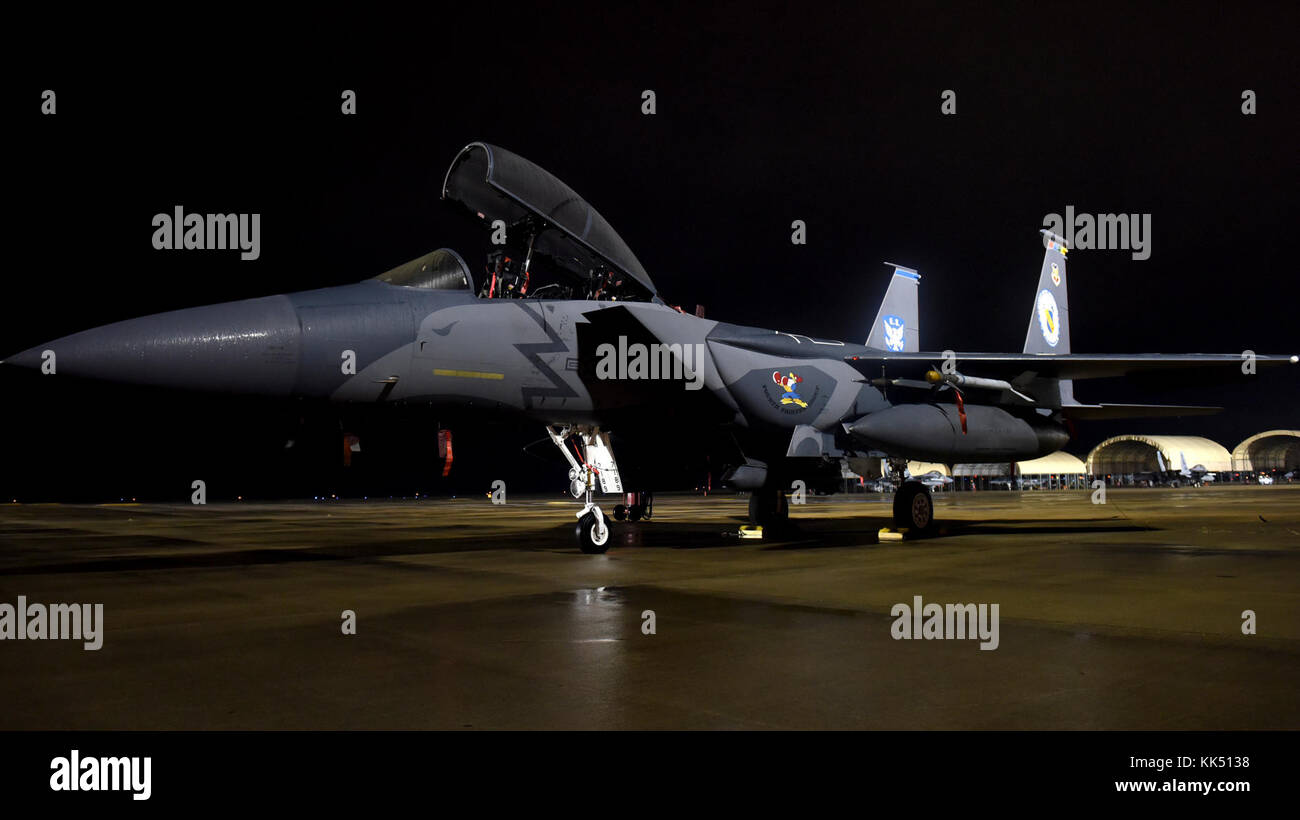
{"x": 787, "y": 383}
{"x": 1056, "y": 275}
{"x": 894, "y": 327}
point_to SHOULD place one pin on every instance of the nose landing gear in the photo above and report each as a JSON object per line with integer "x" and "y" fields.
{"x": 597, "y": 464}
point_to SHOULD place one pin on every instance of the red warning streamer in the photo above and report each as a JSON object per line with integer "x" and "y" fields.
{"x": 444, "y": 451}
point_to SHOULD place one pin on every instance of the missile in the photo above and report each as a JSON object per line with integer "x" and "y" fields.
{"x": 958, "y": 380}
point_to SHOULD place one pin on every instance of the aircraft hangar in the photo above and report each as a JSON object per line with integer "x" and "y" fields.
{"x": 923, "y": 467}
{"x": 1057, "y": 470}
{"x": 1270, "y": 450}
{"x": 1127, "y": 454}
{"x": 1137, "y": 453}
{"x": 1054, "y": 471}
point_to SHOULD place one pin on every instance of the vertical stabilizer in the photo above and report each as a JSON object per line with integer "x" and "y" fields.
{"x": 1049, "y": 322}
{"x": 897, "y": 327}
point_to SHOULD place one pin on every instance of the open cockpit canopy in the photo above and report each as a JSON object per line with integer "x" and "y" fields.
{"x": 543, "y": 216}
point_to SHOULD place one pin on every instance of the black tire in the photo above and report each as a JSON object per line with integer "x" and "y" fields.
{"x": 768, "y": 508}
{"x": 634, "y": 513}
{"x": 587, "y": 538}
{"x": 914, "y": 507}
{"x": 620, "y": 512}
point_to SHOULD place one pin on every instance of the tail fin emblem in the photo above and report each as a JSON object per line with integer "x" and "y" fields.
{"x": 1048, "y": 321}
{"x": 893, "y": 326}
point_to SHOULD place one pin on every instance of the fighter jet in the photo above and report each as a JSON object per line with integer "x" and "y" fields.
{"x": 1198, "y": 475}
{"x": 933, "y": 480}
{"x": 566, "y": 329}
{"x": 1166, "y": 476}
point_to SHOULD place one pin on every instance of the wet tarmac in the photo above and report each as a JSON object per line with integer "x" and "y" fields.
{"x": 1126, "y": 615}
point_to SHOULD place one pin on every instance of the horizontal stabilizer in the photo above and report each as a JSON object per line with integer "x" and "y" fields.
{"x": 1096, "y": 412}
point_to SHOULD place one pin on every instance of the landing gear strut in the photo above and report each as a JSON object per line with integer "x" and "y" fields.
{"x": 768, "y": 507}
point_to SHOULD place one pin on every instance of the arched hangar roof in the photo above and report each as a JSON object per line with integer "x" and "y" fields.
{"x": 923, "y": 467}
{"x": 1058, "y": 463}
{"x": 1137, "y": 453}
{"x": 1272, "y": 449}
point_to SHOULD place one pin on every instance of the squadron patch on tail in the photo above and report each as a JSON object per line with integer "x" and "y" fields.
{"x": 1049, "y": 318}
{"x": 893, "y": 326}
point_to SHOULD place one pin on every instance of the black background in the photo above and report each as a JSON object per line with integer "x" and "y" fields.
{"x": 659, "y": 772}
{"x": 765, "y": 114}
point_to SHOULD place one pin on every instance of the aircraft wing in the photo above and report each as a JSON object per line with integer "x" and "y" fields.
{"x": 1062, "y": 366}
{"x": 1097, "y": 412}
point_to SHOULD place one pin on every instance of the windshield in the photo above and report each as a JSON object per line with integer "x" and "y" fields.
{"x": 441, "y": 270}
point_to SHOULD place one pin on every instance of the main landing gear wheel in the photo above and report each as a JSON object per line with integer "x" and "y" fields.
{"x": 768, "y": 508}
{"x": 639, "y": 506}
{"x": 913, "y": 507}
{"x": 593, "y": 534}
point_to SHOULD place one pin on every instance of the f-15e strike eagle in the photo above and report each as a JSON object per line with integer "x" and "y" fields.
{"x": 566, "y": 328}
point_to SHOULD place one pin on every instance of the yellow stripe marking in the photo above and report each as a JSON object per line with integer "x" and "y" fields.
{"x": 468, "y": 374}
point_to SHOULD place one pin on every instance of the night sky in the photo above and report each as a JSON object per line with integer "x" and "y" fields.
{"x": 764, "y": 115}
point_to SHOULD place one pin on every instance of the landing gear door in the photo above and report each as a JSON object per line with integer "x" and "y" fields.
{"x": 601, "y": 456}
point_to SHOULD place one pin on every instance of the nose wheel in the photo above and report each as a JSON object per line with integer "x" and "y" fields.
{"x": 592, "y": 532}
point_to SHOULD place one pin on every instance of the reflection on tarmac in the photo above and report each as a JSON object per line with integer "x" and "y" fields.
{"x": 1121, "y": 616}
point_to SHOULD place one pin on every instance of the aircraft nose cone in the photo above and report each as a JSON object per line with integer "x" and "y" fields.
{"x": 251, "y": 346}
